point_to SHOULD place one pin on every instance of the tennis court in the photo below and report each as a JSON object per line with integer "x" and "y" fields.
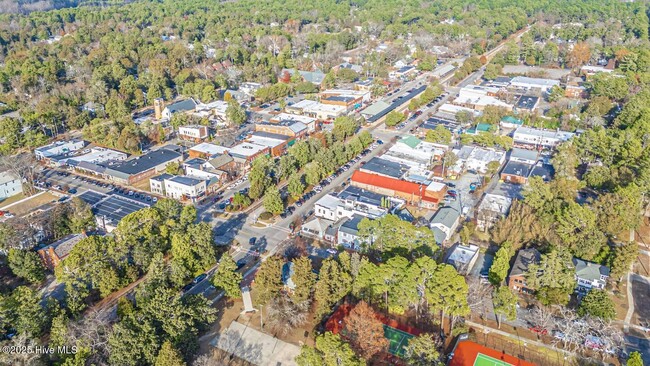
{"x": 398, "y": 340}
{"x": 483, "y": 360}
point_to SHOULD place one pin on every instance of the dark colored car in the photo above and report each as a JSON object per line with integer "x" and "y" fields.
{"x": 199, "y": 278}
{"x": 187, "y": 287}
{"x": 252, "y": 240}
{"x": 72, "y": 191}
{"x": 450, "y": 184}
{"x": 241, "y": 263}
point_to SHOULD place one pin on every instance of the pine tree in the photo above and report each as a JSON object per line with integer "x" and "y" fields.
{"x": 505, "y": 303}
{"x": 169, "y": 356}
{"x": 268, "y": 281}
{"x": 227, "y": 278}
{"x": 500, "y": 265}
{"x": 303, "y": 278}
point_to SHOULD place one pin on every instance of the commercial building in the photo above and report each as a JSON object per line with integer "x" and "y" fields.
{"x": 143, "y": 167}
{"x": 245, "y": 152}
{"x": 402, "y": 72}
{"x": 58, "y": 149}
{"x": 10, "y": 185}
{"x": 524, "y": 82}
{"x": 334, "y": 208}
{"x": 220, "y": 167}
{"x": 96, "y": 155}
{"x": 290, "y": 128}
{"x": 286, "y": 118}
{"x": 206, "y": 150}
{"x": 442, "y": 71}
{"x": 276, "y": 143}
{"x": 384, "y": 167}
{"x": 362, "y": 95}
{"x": 194, "y": 133}
{"x": 317, "y": 110}
{"x": 185, "y": 188}
{"x": 412, "y": 193}
{"x": 533, "y": 137}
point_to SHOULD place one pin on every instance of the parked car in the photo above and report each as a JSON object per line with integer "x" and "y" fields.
{"x": 252, "y": 240}
{"x": 8, "y": 215}
{"x": 538, "y": 330}
{"x": 199, "y": 278}
{"x": 72, "y": 191}
{"x": 451, "y": 185}
{"x": 241, "y": 263}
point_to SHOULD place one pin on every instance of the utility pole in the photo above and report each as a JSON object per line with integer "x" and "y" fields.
{"x": 262, "y": 317}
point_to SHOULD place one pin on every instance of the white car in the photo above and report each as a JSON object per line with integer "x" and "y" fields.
{"x": 233, "y": 186}
{"x": 8, "y": 215}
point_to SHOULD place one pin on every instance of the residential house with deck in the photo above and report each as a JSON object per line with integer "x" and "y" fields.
{"x": 519, "y": 270}
{"x": 590, "y": 275}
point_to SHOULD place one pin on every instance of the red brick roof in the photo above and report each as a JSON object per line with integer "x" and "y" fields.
{"x": 415, "y": 189}
{"x": 466, "y": 352}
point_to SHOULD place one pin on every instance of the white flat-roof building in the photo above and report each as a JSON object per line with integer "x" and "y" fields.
{"x": 453, "y": 109}
{"x": 310, "y": 122}
{"x": 193, "y": 132}
{"x": 58, "y": 148}
{"x": 317, "y": 110}
{"x": 206, "y": 150}
{"x": 534, "y": 83}
{"x": 536, "y": 137}
{"x": 462, "y": 257}
{"x": 97, "y": 155}
{"x": 184, "y": 188}
{"x": 363, "y": 94}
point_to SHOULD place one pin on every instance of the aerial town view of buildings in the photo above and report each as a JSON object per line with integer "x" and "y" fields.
{"x": 260, "y": 183}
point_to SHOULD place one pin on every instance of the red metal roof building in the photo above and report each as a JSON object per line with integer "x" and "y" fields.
{"x": 413, "y": 193}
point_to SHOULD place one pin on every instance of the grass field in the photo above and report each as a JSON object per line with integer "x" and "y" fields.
{"x": 398, "y": 340}
{"x": 483, "y": 360}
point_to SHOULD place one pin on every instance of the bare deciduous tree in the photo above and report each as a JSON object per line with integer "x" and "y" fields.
{"x": 283, "y": 315}
{"x": 91, "y": 331}
{"x": 480, "y": 296}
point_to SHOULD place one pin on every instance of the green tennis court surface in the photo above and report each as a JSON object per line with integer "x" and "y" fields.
{"x": 483, "y": 360}
{"x": 398, "y": 340}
